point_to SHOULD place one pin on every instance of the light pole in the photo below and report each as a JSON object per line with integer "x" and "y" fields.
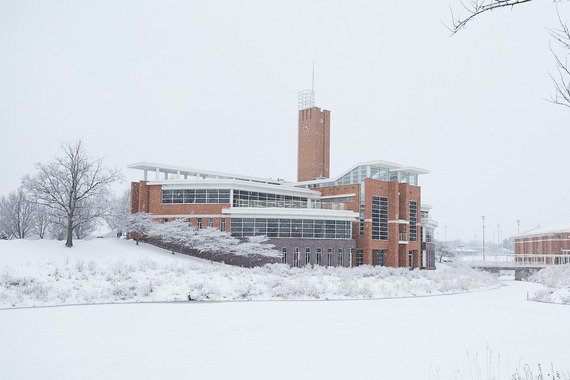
{"x": 445, "y": 234}
{"x": 483, "y": 218}
{"x": 498, "y": 236}
{"x": 518, "y": 227}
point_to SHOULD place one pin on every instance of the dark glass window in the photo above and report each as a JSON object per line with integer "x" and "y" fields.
{"x": 359, "y": 257}
{"x": 379, "y": 218}
{"x": 413, "y": 221}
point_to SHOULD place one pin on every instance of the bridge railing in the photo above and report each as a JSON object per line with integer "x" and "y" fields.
{"x": 517, "y": 259}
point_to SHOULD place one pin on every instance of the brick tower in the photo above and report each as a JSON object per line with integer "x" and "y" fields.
{"x": 314, "y": 139}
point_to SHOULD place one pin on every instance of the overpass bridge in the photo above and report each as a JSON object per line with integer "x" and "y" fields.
{"x": 524, "y": 265}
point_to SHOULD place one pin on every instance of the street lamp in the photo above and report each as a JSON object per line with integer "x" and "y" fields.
{"x": 518, "y": 227}
{"x": 498, "y": 236}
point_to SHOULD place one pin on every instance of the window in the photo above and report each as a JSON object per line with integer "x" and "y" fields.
{"x": 413, "y": 221}
{"x": 165, "y": 220}
{"x": 379, "y": 218}
{"x": 411, "y": 259}
{"x": 210, "y": 222}
{"x": 223, "y": 224}
{"x": 359, "y": 257}
{"x": 307, "y": 256}
{"x": 429, "y": 234}
{"x": 199, "y": 223}
{"x": 296, "y": 257}
{"x": 340, "y": 257}
{"x": 329, "y": 257}
{"x": 319, "y": 256}
{"x": 378, "y": 257}
{"x": 284, "y": 255}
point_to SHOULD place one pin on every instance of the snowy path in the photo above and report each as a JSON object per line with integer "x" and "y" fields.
{"x": 371, "y": 339}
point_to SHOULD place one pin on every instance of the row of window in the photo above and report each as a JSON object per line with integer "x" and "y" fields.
{"x": 240, "y": 198}
{"x": 285, "y": 228}
{"x": 196, "y": 196}
{"x": 244, "y": 198}
{"x": 318, "y": 257}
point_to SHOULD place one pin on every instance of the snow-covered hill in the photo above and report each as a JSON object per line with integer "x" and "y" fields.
{"x": 43, "y": 272}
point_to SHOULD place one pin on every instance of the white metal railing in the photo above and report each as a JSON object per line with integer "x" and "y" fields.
{"x": 517, "y": 259}
{"x": 402, "y": 237}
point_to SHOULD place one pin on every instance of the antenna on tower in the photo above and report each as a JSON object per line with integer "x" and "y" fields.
{"x": 306, "y": 98}
{"x": 313, "y": 86}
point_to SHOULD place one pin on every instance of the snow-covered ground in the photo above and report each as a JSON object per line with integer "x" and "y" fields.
{"x": 40, "y": 273}
{"x": 473, "y": 335}
{"x": 477, "y": 335}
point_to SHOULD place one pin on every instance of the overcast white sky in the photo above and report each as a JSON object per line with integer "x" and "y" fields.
{"x": 213, "y": 85}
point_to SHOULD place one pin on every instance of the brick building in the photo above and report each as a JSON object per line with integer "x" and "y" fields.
{"x": 370, "y": 214}
{"x": 544, "y": 241}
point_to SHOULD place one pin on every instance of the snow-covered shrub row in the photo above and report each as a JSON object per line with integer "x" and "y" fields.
{"x": 207, "y": 239}
{"x": 76, "y": 281}
{"x": 557, "y": 279}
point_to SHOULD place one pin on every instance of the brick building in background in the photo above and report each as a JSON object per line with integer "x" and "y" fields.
{"x": 370, "y": 214}
{"x": 545, "y": 241}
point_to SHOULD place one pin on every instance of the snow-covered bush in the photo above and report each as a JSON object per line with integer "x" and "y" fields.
{"x": 557, "y": 279}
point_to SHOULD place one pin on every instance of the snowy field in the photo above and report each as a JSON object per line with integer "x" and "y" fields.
{"x": 488, "y": 334}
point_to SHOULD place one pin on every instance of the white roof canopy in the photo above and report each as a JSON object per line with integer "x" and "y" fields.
{"x": 182, "y": 173}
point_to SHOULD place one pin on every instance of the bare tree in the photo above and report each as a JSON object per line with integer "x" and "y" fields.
{"x": 42, "y": 220}
{"x": 562, "y": 36}
{"x": 444, "y": 251}
{"x": 73, "y": 187}
{"x": 17, "y": 214}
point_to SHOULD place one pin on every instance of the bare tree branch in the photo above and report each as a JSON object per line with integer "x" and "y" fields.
{"x": 561, "y": 36}
{"x": 476, "y": 7}
{"x": 562, "y": 81}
